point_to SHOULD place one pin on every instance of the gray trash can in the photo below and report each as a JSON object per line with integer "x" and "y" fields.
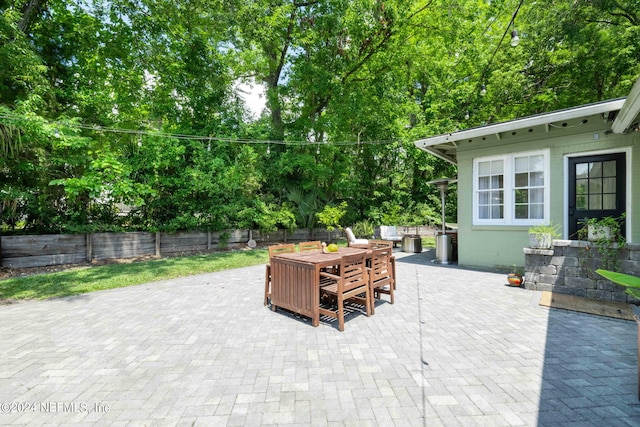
{"x": 411, "y": 243}
{"x": 443, "y": 249}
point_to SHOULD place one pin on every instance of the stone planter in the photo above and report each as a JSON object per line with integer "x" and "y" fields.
{"x": 598, "y": 232}
{"x": 540, "y": 241}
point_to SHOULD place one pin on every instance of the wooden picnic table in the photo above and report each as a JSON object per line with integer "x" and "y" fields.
{"x": 295, "y": 280}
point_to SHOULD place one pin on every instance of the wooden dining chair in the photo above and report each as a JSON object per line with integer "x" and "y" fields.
{"x": 377, "y": 244}
{"x": 381, "y": 276}
{"x": 274, "y": 250}
{"x": 310, "y": 246}
{"x": 350, "y": 283}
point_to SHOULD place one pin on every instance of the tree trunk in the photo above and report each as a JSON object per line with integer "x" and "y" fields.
{"x": 29, "y": 13}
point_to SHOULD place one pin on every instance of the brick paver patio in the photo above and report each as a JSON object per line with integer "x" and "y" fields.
{"x": 459, "y": 347}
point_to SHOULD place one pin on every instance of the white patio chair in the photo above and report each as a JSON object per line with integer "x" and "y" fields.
{"x": 351, "y": 238}
{"x": 389, "y": 232}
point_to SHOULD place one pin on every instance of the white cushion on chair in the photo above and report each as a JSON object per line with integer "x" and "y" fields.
{"x": 352, "y": 238}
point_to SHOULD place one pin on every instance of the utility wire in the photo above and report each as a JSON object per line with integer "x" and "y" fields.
{"x": 98, "y": 128}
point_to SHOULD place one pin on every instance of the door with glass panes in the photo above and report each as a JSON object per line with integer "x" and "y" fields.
{"x": 596, "y": 189}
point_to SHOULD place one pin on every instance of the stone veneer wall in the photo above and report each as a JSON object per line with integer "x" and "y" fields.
{"x": 569, "y": 268}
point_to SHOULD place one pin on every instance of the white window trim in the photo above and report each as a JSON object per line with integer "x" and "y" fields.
{"x": 509, "y": 208}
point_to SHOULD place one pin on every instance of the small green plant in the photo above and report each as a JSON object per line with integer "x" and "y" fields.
{"x": 517, "y": 270}
{"x": 363, "y": 229}
{"x": 515, "y": 278}
{"x": 607, "y": 236}
{"x": 631, "y": 283}
{"x": 543, "y": 229}
{"x": 542, "y": 235}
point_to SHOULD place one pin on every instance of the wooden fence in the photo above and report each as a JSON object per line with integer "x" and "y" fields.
{"x": 55, "y": 249}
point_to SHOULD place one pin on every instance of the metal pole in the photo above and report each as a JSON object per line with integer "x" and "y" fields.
{"x": 442, "y": 195}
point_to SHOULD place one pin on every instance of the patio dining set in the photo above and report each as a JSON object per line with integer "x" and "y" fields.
{"x": 314, "y": 282}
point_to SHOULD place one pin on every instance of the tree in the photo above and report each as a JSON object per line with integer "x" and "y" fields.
{"x": 112, "y": 102}
{"x": 331, "y": 216}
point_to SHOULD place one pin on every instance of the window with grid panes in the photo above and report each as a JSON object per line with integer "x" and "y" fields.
{"x": 512, "y": 189}
{"x": 529, "y": 187}
{"x": 491, "y": 189}
{"x": 596, "y": 185}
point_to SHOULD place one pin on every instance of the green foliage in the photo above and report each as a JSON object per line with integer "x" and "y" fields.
{"x": 608, "y": 236}
{"x": 23, "y": 74}
{"x": 517, "y": 270}
{"x": 546, "y": 229}
{"x": 392, "y": 215}
{"x": 223, "y": 241}
{"x": 632, "y": 283}
{"x": 268, "y": 217}
{"x": 307, "y": 206}
{"x": 379, "y": 75}
{"x": 363, "y": 229}
{"x": 330, "y": 216}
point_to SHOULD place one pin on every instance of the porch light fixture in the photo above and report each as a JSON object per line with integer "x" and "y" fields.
{"x": 515, "y": 40}
{"x": 466, "y": 115}
{"x": 483, "y": 90}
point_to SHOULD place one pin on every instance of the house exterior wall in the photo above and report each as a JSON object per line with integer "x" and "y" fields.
{"x": 500, "y": 247}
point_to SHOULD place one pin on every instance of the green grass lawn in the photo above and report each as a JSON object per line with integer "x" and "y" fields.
{"x": 89, "y": 279}
{"x": 428, "y": 242}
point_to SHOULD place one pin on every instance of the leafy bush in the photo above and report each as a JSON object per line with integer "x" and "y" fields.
{"x": 267, "y": 217}
{"x": 331, "y": 216}
{"x": 363, "y": 229}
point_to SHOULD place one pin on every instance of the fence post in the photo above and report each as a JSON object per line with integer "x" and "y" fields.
{"x": 209, "y": 240}
{"x": 158, "y": 244}
{"x": 89, "y": 246}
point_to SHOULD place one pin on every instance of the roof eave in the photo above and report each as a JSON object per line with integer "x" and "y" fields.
{"x": 629, "y": 111}
{"x": 542, "y": 119}
{"x": 441, "y": 154}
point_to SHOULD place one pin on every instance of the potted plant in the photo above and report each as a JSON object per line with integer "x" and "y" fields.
{"x": 601, "y": 229}
{"x": 607, "y": 235}
{"x": 515, "y": 278}
{"x": 541, "y": 236}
